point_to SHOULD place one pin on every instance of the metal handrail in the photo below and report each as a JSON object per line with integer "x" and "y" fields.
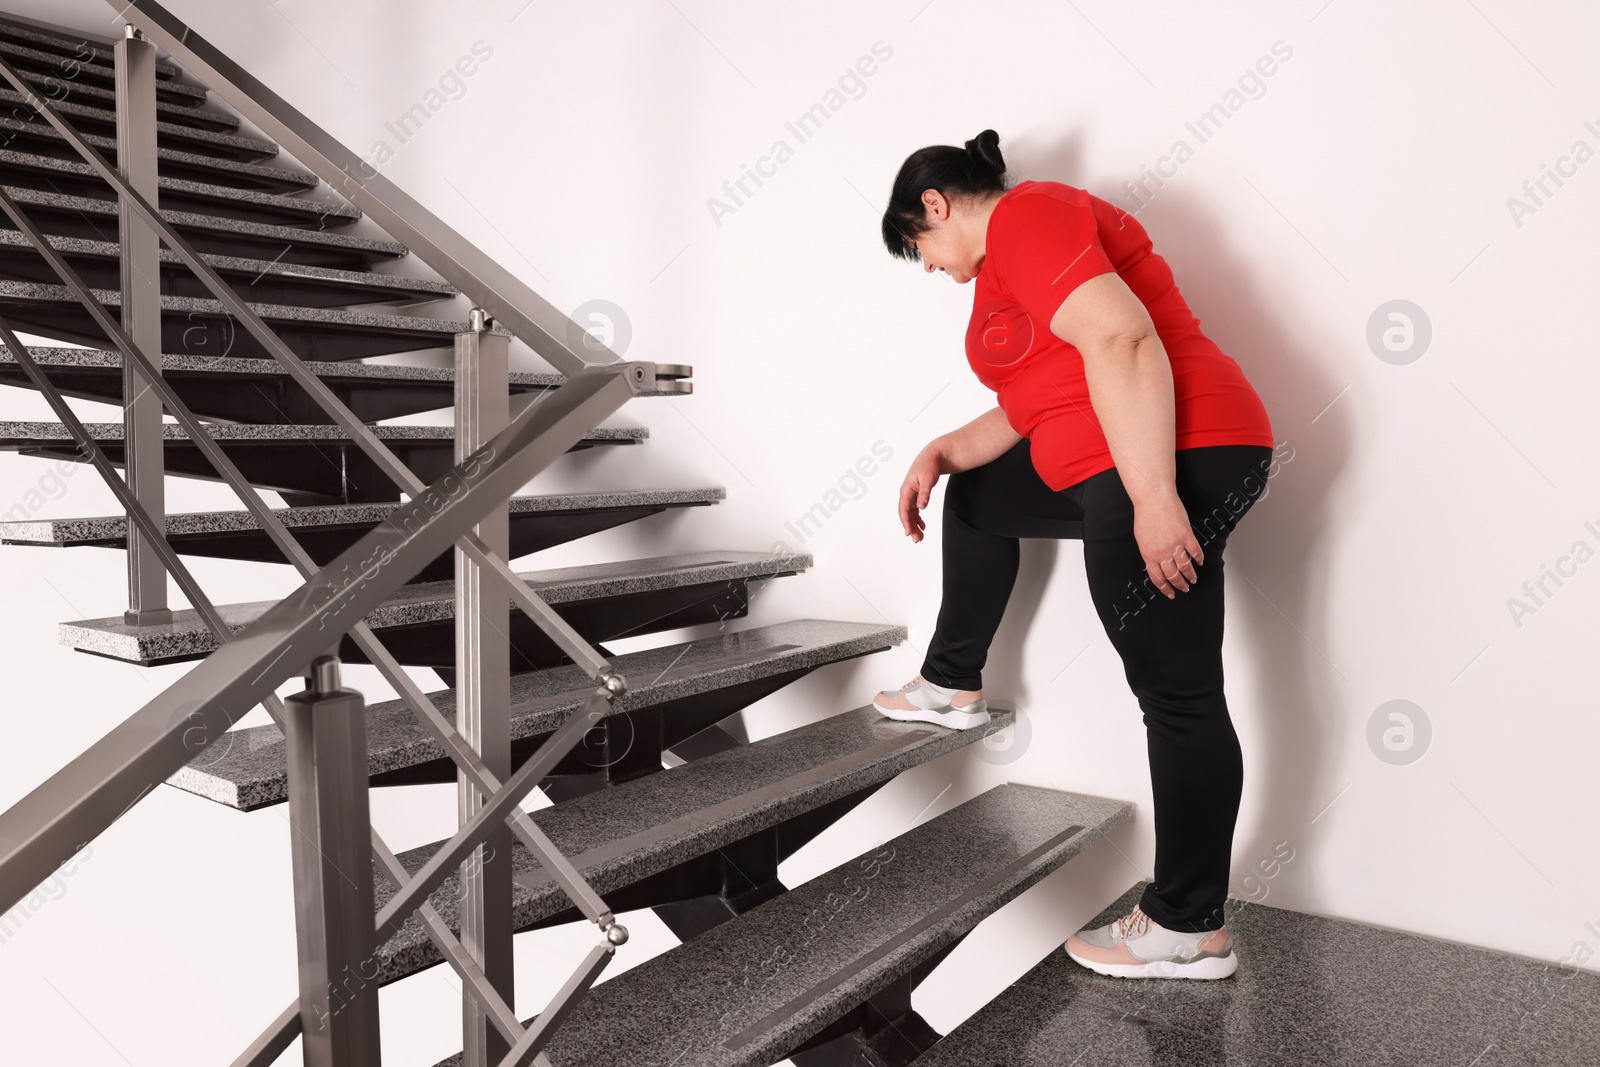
{"x": 640, "y": 374}
{"x": 528, "y": 316}
{"x": 564, "y": 636}
{"x": 503, "y": 797}
{"x": 44, "y": 816}
{"x": 474, "y": 983}
{"x": 43, "y": 829}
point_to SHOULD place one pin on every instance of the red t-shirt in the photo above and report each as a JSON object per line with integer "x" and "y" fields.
{"x": 1045, "y": 239}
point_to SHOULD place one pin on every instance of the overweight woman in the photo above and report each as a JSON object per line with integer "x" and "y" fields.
{"x": 1118, "y": 423}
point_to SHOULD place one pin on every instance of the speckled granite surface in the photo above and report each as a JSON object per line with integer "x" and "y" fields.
{"x": 254, "y": 267}
{"x": 620, "y": 835}
{"x": 268, "y": 368}
{"x": 165, "y": 83}
{"x": 520, "y": 381}
{"x": 188, "y": 635}
{"x": 60, "y": 294}
{"x": 225, "y": 167}
{"x": 106, "y": 98}
{"x": 71, "y": 111}
{"x": 248, "y": 771}
{"x": 747, "y": 992}
{"x": 188, "y": 220}
{"x": 77, "y": 47}
{"x": 1309, "y": 991}
{"x": 23, "y": 434}
{"x": 104, "y": 528}
{"x": 337, "y": 211}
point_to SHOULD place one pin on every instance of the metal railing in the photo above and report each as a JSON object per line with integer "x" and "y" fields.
{"x": 81, "y": 800}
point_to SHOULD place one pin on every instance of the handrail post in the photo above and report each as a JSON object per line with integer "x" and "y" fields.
{"x": 141, "y": 318}
{"x": 483, "y": 689}
{"x": 330, "y": 831}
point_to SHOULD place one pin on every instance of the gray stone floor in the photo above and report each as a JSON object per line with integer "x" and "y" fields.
{"x": 1309, "y": 991}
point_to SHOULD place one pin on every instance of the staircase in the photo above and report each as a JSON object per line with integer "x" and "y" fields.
{"x": 663, "y": 803}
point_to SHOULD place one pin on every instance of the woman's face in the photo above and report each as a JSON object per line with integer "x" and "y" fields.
{"x": 954, "y": 241}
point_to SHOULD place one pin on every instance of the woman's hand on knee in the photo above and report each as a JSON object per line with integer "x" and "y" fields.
{"x": 915, "y": 491}
{"x": 1167, "y": 543}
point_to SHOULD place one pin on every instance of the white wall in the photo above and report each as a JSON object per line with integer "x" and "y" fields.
{"x": 1375, "y": 164}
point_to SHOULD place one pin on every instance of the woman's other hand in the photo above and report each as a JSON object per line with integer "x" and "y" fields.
{"x": 915, "y": 490}
{"x": 1167, "y": 542}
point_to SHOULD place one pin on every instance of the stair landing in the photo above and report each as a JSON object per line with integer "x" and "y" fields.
{"x": 1309, "y": 992}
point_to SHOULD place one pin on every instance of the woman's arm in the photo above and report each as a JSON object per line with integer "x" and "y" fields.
{"x": 1131, "y": 390}
{"x": 1129, "y": 378}
{"x": 985, "y": 438}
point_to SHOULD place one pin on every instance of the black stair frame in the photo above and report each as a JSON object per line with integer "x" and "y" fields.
{"x": 884, "y": 1030}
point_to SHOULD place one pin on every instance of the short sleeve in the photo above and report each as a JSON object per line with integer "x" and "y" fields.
{"x": 1047, "y": 247}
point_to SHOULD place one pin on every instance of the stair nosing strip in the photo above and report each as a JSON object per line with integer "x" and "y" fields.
{"x": 821, "y": 989}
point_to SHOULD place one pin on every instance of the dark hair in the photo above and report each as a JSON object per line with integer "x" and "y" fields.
{"x": 971, "y": 173}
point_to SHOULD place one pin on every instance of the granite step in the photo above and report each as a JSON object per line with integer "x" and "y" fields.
{"x": 98, "y": 263}
{"x": 86, "y": 118}
{"x": 29, "y": 170}
{"x": 536, "y": 523}
{"x": 89, "y": 72}
{"x": 246, "y": 770}
{"x": 260, "y": 390}
{"x": 602, "y": 601}
{"x": 762, "y": 985}
{"x": 194, "y": 327}
{"x": 652, "y": 842}
{"x": 54, "y": 89}
{"x": 97, "y": 220}
{"x": 309, "y": 465}
{"x": 1310, "y": 992}
{"x": 68, "y": 44}
{"x": 170, "y": 162}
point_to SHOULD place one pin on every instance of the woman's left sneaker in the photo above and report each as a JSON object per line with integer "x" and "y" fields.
{"x": 1136, "y": 946}
{"x": 919, "y": 700}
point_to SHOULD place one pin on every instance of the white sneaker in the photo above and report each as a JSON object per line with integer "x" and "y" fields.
{"x": 919, "y": 700}
{"x": 1136, "y": 946}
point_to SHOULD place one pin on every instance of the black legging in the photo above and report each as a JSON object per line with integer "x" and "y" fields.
{"x": 1171, "y": 649}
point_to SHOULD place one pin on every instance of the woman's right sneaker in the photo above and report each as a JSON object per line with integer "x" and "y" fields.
{"x": 919, "y": 700}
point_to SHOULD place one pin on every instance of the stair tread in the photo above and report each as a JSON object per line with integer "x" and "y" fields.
{"x": 26, "y": 434}
{"x": 313, "y": 209}
{"x": 111, "y": 298}
{"x": 237, "y": 141}
{"x": 101, "y": 104}
{"x": 620, "y": 835}
{"x": 747, "y": 992}
{"x": 421, "y": 602}
{"x": 107, "y": 209}
{"x": 215, "y": 164}
{"x": 68, "y": 531}
{"x": 249, "y": 770}
{"x": 51, "y": 356}
{"x": 38, "y": 37}
{"x": 108, "y": 99}
{"x": 70, "y": 111}
{"x": 165, "y": 73}
{"x": 404, "y": 287}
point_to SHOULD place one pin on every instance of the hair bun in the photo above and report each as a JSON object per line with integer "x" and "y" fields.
{"x": 983, "y": 153}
